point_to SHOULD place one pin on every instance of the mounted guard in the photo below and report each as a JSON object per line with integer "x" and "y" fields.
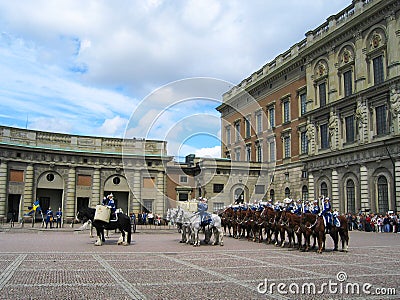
{"x": 326, "y": 213}
{"x": 202, "y": 208}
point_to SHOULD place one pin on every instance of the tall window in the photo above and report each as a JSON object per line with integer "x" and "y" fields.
{"x": 287, "y": 192}
{"x": 272, "y": 156}
{"x": 237, "y": 154}
{"x": 303, "y": 103}
{"x": 286, "y": 111}
{"x": 228, "y": 135}
{"x": 286, "y": 142}
{"x": 248, "y": 153}
{"x": 271, "y": 117}
{"x": 272, "y": 195}
{"x": 378, "y": 69}
{"x": 304, "y": 142}
{"x": 324, "y": 189}
{"x": 322, "y": 94}
{"x": 348, "y": 85}
{"x": 351, "y": 198}
{"x": 349, "y": 129}
{"x": 148, "y": 205}
{"x": 237, "y": 131}
{"x": 324, "y": 136}
{"x": 247, "y": 126}
{"x": 383, "y": 199}
{"x": 304, "y": 193}
{"x": 259, "y": 122}
{"x": 259, "y": 152}
{"x": 381, "y": 120}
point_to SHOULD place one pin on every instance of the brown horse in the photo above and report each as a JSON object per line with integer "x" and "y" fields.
{"x": 314, "y": 225}
{"x": 291, "y": 223}
{"x": 343, "y": 232}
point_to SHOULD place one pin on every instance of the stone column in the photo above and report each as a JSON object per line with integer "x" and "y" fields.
{"x": 364, "y": 187}
{"x": 28, "y": 188}
{"x": 71, "y": 192}
{"x": 136, "y": 189}
{"x": 333, "y": 86}
{"x": 3, "y": 188}
{"x": 393, "y": 46}
{"x": 335, "y": 191}
{"x": 311, "y": 191}
{"x": 397, "y": 183}
{"x": 359, "y": 61}
{"x": 159, "y": 206}
{"x": 96, "y": 187}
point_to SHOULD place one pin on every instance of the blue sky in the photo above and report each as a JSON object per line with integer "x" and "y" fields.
{"x": 105, "y": 68}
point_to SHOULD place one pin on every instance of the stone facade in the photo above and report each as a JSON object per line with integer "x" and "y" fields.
{"x": 70, "y": 171}
{"x": 341, "y": 136}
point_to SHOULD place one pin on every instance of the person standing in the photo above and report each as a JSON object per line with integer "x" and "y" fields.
{"x": 49, "y": 217}
{"x": 58, "y": 217}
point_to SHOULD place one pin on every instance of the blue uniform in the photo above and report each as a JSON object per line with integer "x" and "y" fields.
{"x": 59, "y": 217}
{"x": 306, "y": 208}
{"x": 315, "y": 209}
{"x": 202, "y": 208}
{"x": 297, "y": 210}
{"x": 326, "y": 212}
{"x": 111, "y": 204}
{"x": 49, "y": 217}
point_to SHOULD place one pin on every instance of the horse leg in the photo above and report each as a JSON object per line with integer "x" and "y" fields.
{"x": 99, "y": 241}
{"x": 121, "y": 238}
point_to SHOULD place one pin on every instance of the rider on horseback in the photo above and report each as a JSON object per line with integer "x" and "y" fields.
{"x": 315, "y": 209}
{"x": 111, "y": 204}
{"x": 297, "y": 208}
{"x": 326, "y": 213}
{"x": 202, "y": 208}
{"x": 306, "y": 207}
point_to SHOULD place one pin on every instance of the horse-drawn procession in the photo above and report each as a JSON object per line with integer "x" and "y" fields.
{"x": 298, "y": 221}
{"x": 283, "y": 223}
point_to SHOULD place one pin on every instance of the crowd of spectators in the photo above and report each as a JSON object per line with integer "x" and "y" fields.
{"x": 370, "y": 222}
{"x": 146, "y": 218}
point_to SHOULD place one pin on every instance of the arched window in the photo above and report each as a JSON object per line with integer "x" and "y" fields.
{"x": 287, "y": 192}
{"x": 272, "y": 195}
{"x": 304, "y": 193}
{"x": 383, "y": 200}
{"x": 351, "y": 198}
{"x": 239, "y": 195}
{"x": 324, "y": 189}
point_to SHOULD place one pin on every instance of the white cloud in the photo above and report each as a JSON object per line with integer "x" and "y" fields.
{"x": 87, "y": 64}
{"x": 114, "y": 126}
{"x": 214, "y": 152}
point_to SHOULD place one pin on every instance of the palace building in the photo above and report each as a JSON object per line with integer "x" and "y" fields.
{"x": 323, "y": 117}
{"x": 71, "y": 171}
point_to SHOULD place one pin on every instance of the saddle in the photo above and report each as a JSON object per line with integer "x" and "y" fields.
{"x": 113, "y": 217}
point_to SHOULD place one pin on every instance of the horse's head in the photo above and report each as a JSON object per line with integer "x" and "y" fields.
{"x": 82, "y": 216}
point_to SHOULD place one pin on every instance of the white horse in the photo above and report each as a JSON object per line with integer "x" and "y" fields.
{"x": 194, "y": 221}
{"x": 173, "y": 215}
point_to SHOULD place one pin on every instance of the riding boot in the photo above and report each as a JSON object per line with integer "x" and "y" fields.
{"x": 328, "y": 228}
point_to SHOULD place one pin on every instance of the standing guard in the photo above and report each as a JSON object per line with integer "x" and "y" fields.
{"x": 49, "y": 217}
{"x": 58, "y": 217}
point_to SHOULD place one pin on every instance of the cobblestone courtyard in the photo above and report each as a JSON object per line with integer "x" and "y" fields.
{"x": 65, "y": 264}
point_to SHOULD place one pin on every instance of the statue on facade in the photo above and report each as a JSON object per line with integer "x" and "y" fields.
{"x": 310, "y": 133}
{"x": 333, "y": 125}
{"x": 361, "y": 118}
{"x": 394, "y": 102}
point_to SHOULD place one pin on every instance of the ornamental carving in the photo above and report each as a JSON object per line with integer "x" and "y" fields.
{"x": 394, "y": 102}
{"x": 376, "y": 40}
{"x": 321, "y": 69}
{"x": 347, "y": 56}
